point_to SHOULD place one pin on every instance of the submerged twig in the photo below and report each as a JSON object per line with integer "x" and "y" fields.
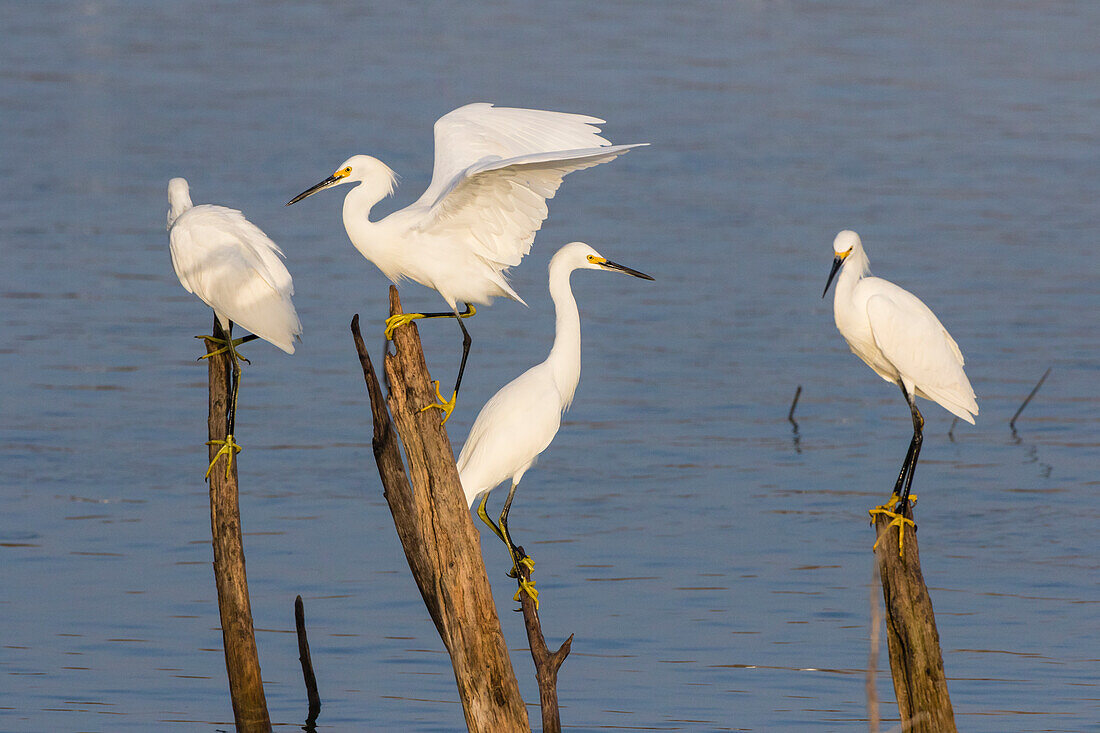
{"x": 1012, "y": 422}
{"x": 790, "y": 416}
{"x": 307, "y": 665}
{"x": 794, "y": 404}
{"x": 951, "y": 430}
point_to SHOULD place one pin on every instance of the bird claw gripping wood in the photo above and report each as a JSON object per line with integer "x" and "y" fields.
{"x": 525, "y": 561}
{"x": 229, "y": 448}
{"x": 528, "y": 587}
{"x": 447, "y": 406}
{"x": 225, "y": 347}
{"x": 401, "y": 319}
{"x": 897, "y": 520}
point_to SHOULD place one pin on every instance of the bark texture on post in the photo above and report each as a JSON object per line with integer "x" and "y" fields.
{"x": 441, "y": 545}
{"x": 916, "y": 661}
{"x": 242, "y": 662}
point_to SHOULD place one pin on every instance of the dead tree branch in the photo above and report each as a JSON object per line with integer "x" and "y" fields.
{"x": 440, "y": 542}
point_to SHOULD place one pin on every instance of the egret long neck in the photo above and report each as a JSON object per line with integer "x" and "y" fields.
{"x": 565, "y": 356}
{"x": 856, "y": 267}
{"x": 357, "y": 205}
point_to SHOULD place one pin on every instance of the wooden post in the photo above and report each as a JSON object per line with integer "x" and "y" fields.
{"x": 242, "y": 662}
{"x": 546, "y": 663}
{"x": 916, "y": 661}
{"x": 441, "y": 545}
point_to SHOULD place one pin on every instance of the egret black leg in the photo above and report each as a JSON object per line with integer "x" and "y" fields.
{"x": 402, "y": 319}
{"x": 519, "y": 557}
{"x": 447, "y": 406}
{"x": 231, "y": 418}
{"x": 914, "y": 449}
{"x": 900, "y": 485}
{"x": 229, "y": 447}
{"x": 466, "y": 342}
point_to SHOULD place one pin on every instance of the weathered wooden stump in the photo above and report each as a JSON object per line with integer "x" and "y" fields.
{"x": 242, "y": 662}
{"x": 916, "y": 661}
{"x": 439, "y": 539}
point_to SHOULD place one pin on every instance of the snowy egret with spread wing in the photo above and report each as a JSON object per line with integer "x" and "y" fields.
{"x": 234, "y": 268}
{"x": 495, "y": 168}
{"x": 901, "y": 339}
{"x": 519, "y": 422}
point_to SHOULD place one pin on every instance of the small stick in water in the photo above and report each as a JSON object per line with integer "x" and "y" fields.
{"x": 1012, "y": 422}
{"x": 307, "y": 663}
{"x": 794, "y": 404}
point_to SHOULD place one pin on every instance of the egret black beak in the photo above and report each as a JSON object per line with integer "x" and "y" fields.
{"x": 837, "y": 262}
{"x": 623, "y": 268}
{"x": 330, "y": 181}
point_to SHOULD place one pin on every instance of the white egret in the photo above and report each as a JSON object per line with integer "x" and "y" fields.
{"x": 495, "y": 168}
{"x": 520, "y": 421}
{"x": 234, "y": 268}
{"x": 901, "y": 339}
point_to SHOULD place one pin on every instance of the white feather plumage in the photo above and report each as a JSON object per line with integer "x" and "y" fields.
{"x": 233, "y": 267}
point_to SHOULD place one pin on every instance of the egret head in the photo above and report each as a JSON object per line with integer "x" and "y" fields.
{"x": 578, "y": 255}
{"x": 357, "y": 168}
{"x": 179, "y": 199}
{"x": 845, "y": 243}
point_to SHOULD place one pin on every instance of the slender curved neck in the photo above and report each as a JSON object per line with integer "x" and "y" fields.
{"x": 856, "y": 267}
{"x": 358, "y": 202}
{"x": 179, "y": 203}
{"x": 565, "y": 356}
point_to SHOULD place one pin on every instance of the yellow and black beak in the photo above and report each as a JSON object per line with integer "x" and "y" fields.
{"x": 330, "y": 181}
{"x": 609, "y": 265}
{"x": 837, "y": 262}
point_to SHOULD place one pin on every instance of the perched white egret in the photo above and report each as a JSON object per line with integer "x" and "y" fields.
{"x": 495, "y": 168}
{"x": 234, "y": 268}
{"x": 901, "y": 339}
{"x": 520, "y": 421}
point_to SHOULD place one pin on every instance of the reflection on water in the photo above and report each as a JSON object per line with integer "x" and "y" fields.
{"x": 714, "y": 564}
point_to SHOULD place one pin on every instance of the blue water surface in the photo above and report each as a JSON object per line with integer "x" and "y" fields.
{"x": 714, "y": 566}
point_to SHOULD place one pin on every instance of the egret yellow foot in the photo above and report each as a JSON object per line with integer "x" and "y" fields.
{"x": 528, "y": 587}
{"x": 225, "y": 347}
{"x": 525, "y": 561}
{"x": 897, "y": 520}
{"x": 890, "y": 504}
{"x": 447, "y": 406}
{"x": 229, "y": 448}
{"x": 401, "y": 319}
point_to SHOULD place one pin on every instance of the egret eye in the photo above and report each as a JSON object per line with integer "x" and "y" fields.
{"x": 591, "y": 258}
{"x": 347, "y": 170}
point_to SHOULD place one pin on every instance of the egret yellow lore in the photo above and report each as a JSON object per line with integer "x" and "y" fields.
{"x": 901, "y": 339}
{"x": 495, "y": 168}
{"x": 233, "y": 267}
{"x": 519, "y": 422}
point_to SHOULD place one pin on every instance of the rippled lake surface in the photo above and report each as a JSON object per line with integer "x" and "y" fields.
{"x": 715, "y": 567}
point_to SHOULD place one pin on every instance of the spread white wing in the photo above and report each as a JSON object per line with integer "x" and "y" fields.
{"x": 477, "y": 131}
{"x": 498, "y": 205}
{"x": 495, "y": 168}
{"x": 233, "y": 267}
{"x": 920, "y": 348}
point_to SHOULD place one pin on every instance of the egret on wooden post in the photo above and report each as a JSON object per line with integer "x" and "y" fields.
{"x": 901, "y": 339}
{"x": 233, "y": 267}
{"x": 519, "y": 422}
{"x": 495, "y": 168}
